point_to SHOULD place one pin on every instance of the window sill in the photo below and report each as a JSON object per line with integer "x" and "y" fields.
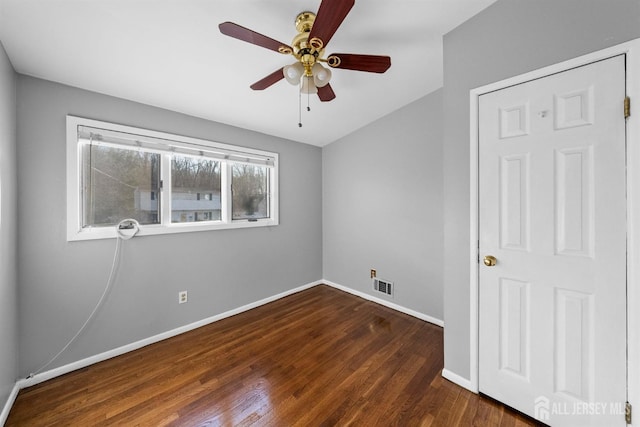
{"x": 153, "y": 230}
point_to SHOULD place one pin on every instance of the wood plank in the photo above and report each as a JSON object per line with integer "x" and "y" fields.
{"x": 318, "y": 357}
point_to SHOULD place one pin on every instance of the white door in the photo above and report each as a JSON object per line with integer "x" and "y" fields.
{"x": 552, "y": 211}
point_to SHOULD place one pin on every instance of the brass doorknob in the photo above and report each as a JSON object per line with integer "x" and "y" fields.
{"x": 490, "y": 260}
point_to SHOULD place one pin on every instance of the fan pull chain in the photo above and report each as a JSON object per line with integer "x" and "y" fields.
{"x": 300, "y": 106}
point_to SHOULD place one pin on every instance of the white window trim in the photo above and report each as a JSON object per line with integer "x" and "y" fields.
{"x": 75, "y": 232}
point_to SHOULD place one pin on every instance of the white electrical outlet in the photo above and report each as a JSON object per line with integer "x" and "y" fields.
{"x": 182, "y": 297}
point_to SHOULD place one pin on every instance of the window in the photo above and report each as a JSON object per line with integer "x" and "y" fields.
{"x": 168, "y": 183}
{"x": 250, "y": 187}
{"x": 189, "y": 176}
{"x": 114, "y": 179}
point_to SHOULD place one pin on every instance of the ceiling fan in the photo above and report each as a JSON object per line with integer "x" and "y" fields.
{"x": 314, "y": 33}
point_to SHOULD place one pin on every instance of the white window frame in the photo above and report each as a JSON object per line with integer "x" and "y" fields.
{"x": 75, "y": 231}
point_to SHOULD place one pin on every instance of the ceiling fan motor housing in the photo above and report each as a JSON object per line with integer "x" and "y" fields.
{"x": 305, "y": 51}
{"x": 304, "y": 21}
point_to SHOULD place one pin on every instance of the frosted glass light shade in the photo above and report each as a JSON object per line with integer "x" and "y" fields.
{"x": 293, "y": 73}
{"x": 321, "y": 75}
{"x": 308, "y": 86}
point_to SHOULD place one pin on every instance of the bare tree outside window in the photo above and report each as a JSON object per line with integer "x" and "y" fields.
{"x": 250, "y": 192}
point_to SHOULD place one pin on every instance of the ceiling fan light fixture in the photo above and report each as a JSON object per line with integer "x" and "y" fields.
{"x": 293, "y": 73}
{"x": 321, "y": 75}
{"x": 308, "y": 86}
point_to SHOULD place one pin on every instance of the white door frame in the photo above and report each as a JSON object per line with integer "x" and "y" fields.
{"x": 632, "y": 51}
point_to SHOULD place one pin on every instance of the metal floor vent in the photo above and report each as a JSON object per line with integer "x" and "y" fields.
{"x": 383, "y": 286}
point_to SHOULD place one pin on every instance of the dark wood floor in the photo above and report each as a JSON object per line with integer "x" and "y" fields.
{"x": 317, "y": 358}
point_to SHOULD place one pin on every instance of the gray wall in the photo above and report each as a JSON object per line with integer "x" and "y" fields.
{"x": 8, "y": 227}
{"x": 509, "y": 38}
{"x": 61, "y": 281}
{"x": 382, "y": 206}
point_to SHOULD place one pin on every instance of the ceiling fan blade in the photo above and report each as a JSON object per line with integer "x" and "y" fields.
{"x": 241, "y": 33}
{"x": 325, "y": 93}
{"x": 350, "y": 61}
{"x": 272, "y": 78}
{"x": 330, "y": 15}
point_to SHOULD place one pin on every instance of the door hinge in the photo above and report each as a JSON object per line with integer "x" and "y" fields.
{"x": 627, "y": 107}
{"x": 627, "y": 412}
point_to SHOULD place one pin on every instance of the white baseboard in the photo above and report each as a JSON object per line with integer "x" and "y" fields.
{"x": 56, "y": 372}
{"x": 386, "y": 303}
{"x": 8, "y": 404}
{"x": 457, "y": 379}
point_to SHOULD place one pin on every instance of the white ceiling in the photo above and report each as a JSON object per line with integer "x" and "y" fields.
{"x": 170, "y": 54}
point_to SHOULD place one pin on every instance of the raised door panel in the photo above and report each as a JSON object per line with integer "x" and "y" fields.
{"x": 573, "y": 342}
{"x": 514, "y": 202}
{"x": 514, "y": 328}
{"x": 574, "y": 201}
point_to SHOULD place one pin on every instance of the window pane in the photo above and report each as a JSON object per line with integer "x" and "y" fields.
{"x": 250, "y": 186}
{"x": 119, "y": 184}
{"x": 195, "y": 189}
